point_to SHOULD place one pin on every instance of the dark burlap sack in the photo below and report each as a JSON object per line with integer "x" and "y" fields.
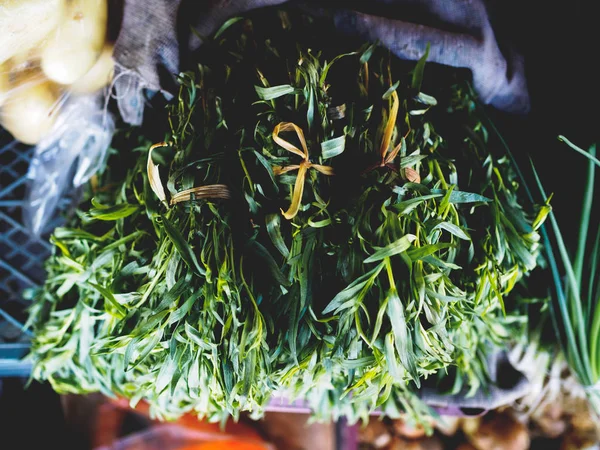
{"x": 155, "y": 41}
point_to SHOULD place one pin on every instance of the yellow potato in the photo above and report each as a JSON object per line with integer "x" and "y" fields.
{"x": 4, "y": 82}
{"x": 98, "y": 76}
{"x": 25, "y": 24}
{"x": 25, "y": 60}
{"x": 28, "y": 112}
{"x": 77, "y": 42}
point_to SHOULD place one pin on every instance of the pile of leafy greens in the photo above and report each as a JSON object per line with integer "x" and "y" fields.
{"x": 315, "y": 224}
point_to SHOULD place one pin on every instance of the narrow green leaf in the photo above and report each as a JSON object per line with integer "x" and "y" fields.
{"x": 165, "y": 375}
{"x": 444, "y": 297}
{"x": 110, "y": 298}
{"x": 402, "y": 339}
{"x": 366, "y": 55}
{"x": 390, "y": 91}
{"x": 426, "y": 99}
{"x": 350, "y": 292}
{"x": 436, "y": 262}
{"x": 149, "y": 346}
{"x": 396, "y": 371}
{"x": 333, "y": 147}
{"x": 320, "y": 223}
{"x": 411, "y": 160}
{"x": 271, "y": 93}
{"x": 152, "y": 322}
{"x": 182, "y": 246}
{"x": 417, "y": 253}
{"x": 328, "y": 66}
{"x": 379, "y": 320}
{"x": 463, "y": 197}
{"x": 310, "y": 110}
{"x": 268, "y": 168}
{"x": 584, "y": 221}
{"x": 588, "y": 155}
{"x": 264, "y": 254}
{"x": 392, "y": 249}
{"x": 407, "y": 206}
{"x": 112, "y": 212}
{"x": 453, "y": 229}
{"x": 195, "y": 336}
{"x": 417, "y": 78}
{"x": 70, "y": 233}
{"x": 272, "y": 224}
{"x": 86, "y": 328}
{"x": 184, "y": 309}
{"x": 129, "y": 351}
{"x": 226, "y": 25}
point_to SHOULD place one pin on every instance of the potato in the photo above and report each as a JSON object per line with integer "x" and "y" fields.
{"x": 28, "y": 111}
{"x": 26, "y": 24}
{"x": 448, "y": 425}
{"x": 375, "y": 434}
{"x": 98, "y": 76}
{"x": 427, "y": 443}
{"x": 407, "y": 430}
{"x": 465, "y": 446}
{"x": 77, "y": 42}
{"x": 498, "y": 431}
{"x": 4, "y": 82}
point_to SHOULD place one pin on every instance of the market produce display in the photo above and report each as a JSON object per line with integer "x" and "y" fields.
{"x": 319, "y": 222}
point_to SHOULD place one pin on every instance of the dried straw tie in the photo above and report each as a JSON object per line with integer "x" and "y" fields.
{"x": 387, "y": 157}
{"x": 302, "y": 167}
{"x": 215, "y": 191}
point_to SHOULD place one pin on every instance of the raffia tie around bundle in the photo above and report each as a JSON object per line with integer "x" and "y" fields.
{"x": 213, "y": 191}
{"x": 387, "y": 157}
{"x": 302, "y": 168}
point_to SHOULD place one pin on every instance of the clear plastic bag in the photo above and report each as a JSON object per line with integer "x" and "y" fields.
{"x": 67, "y": 157}
{"x": 55, "y": 66}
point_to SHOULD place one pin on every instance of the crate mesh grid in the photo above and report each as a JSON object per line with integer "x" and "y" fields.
{"x": 22, "y": 255}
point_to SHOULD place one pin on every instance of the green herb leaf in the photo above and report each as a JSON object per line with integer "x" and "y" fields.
{"x": 272, "y": 224}
{"x": 392, "y": 249}
{"x": 453, "y": 229}
{"x": 110, "y": 298}
{"x": 226, "y": 25}
{"x": 113, "y": 212}
{"x": 271, "y": 93}
{"x": 182, "y": 246}
{"x": 417, "y": 78}
{"x": 333, "y": 147}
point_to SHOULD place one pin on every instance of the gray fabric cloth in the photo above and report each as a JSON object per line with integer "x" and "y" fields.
{"x": 506, "y": 385}
{"x": 498, "y": 79}
{"x": 155, "y": 35}
{"x": 148, "y": 39}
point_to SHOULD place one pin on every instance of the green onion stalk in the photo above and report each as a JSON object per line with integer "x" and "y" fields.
{"x": 576, "y": 306}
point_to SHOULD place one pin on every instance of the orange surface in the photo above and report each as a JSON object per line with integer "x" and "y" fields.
{"x": 232, "y": 429}
{"x": 225, "y": 445}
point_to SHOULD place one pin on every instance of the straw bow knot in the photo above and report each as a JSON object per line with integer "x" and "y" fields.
{"x": 302, "y": 168}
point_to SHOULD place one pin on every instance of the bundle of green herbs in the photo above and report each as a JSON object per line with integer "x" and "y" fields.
{"x": 314, "y": 225}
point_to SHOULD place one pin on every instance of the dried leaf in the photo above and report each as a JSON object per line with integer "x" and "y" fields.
{"x": 154, "y": 174}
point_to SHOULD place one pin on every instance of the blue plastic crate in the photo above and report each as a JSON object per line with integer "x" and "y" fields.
{"x": 21, "y": 256}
